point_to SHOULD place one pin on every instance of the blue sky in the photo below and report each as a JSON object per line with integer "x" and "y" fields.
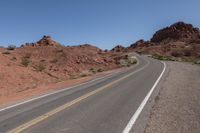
{"x": 104, "y": 23}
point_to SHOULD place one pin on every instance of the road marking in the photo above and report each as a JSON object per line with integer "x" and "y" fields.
{"x": 133, "y": 119}
{"x": 67, "y": 105}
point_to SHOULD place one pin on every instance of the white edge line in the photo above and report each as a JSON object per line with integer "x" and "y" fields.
{"x": 55, "y": 92}
{"x": 140, "y": 108}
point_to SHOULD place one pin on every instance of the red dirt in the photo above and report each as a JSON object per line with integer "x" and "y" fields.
{"x": 41, "y": 66}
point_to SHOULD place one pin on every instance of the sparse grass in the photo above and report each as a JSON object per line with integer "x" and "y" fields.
{"x": 6, "y": 52}
{"x": 93, "y": 70}
{"x": 90, "y": 72}
{"x": 164, "y": 58}
{"x": 25, "y": 61}
{"x": 104, "y": 55}
{"x": 11, "y": 47}
{"x": 179, "y": 59}
{"x": 40, "y": 67}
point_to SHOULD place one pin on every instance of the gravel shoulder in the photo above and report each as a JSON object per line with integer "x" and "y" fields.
{"x": 177, "y": 106}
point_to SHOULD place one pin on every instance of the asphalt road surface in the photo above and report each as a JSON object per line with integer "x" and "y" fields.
{"x": 104, "y": 105}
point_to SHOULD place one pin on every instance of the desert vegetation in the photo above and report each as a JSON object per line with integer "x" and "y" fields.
{"x": 25, "y": 60}
{"x": 11, "y": 47}
{"x": 178, "y": 42}
{"x": 128, "y": 60}
{"x": 40, "y": 67}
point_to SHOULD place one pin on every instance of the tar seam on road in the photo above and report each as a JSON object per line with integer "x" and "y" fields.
{"x": 69, "y": 104}
{"x": 133, "y": 119}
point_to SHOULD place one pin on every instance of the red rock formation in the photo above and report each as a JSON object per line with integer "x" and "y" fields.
{"x": 118, "y": 48}
{"x": 179, "y": 40}
{"x": 179, "y": 31}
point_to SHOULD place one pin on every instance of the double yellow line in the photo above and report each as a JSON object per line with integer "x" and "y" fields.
{"x": 67, "y": 105}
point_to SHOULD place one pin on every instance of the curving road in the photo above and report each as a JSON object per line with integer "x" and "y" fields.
{"x": 109, "y": 104}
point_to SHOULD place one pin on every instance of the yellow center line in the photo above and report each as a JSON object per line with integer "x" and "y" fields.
{"x": 67, "y": 105}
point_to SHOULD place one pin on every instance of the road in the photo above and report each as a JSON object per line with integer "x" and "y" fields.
{"x": 104, "y": 105}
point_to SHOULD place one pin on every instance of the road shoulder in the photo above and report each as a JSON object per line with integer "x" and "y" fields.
{"x": 177, "y": 105}
{"x": 141, "y": 122}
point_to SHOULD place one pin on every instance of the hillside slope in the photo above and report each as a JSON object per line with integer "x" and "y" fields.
{"x": 178, "y": 40}
{"x": 46, "y": 61}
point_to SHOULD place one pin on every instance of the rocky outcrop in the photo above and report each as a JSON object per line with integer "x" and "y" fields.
{"x": 45, "y": 41}
{"x": 118, "y": 48}
{"x": 178, "y": 40}
{"x": 141, "y": 43}
{"x": 179, "y": 31}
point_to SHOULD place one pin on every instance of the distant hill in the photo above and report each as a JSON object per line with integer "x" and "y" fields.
{"x": 178, "y": 40}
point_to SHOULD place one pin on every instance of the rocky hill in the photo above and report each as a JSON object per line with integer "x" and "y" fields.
{"x": 179, "y": 31}
{"x": 46, "y": 61}
{"x": 178, "y": 40}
